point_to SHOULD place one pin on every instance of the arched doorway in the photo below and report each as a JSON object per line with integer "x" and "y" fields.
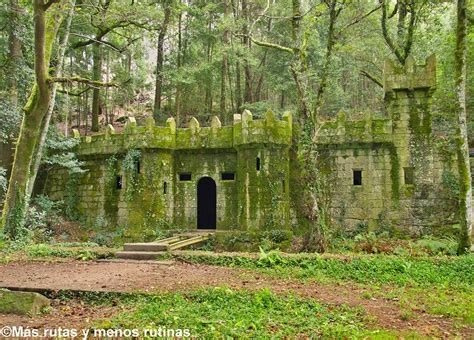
{"x": 206, "y": 203}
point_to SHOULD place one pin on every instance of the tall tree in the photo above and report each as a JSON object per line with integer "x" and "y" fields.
{"x": 465, "y": 192}
{"x": 14, "y": 50}
{"x": 37, "y": 155}
{"x": 159, "y": 61}
{"x": 47, "y": 19}
{"x": 225, "y": 59}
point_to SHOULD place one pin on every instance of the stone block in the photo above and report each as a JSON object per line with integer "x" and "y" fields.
{"x": 22, "y": 303}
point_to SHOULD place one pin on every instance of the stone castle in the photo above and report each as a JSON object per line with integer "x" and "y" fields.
{"x": 384, "y": 168}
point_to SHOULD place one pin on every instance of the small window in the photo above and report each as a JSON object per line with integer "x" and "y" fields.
{"x": 408, "y": 175}
{"x": 258, "y": 164}
{"x": 184, "y": 177}
{"x": 118, "y": 182}
{"x": 137, "y": 166}
{"x": 357, "y": 177}
{"x": 165, "y": 188}
{"x": 228, "y": 176}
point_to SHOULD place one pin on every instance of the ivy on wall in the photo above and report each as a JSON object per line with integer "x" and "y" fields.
{"x": 131, "y": 169}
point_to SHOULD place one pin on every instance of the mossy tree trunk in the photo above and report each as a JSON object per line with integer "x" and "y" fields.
{"x": 159, "y": 63}
{"x": 248, "y": 92}
{"x": 402, "y": 45}
{"x": 97, "y": 76}
{"x": 224, "y": 66}
{"x": 310, "y": 189}
{"x": 38, "y": 154}
{"x": 14, "y": 50}
{"x": 465, "y": 192}
{"x": 177, "y": 103}
{"x": 47, "y": 18}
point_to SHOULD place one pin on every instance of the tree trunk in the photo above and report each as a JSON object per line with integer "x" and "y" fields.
{"x": 224, "y": 72}
{"x": 402, "y": 15}
{"x": 238, "y": 86}
{"x": 16, "y": 202}
{"x": 333, "y": 14}
{"x": 159, "y": 64}
{"x": 248, "y": 92}
{"x": 38, "y": 154}
{"x": 177, "y": 102}
{"x": 97, "y": 76}
{"x": 14, "y": 54}
{"x": 208, "y": 94}
{"x": 465, "y": 189}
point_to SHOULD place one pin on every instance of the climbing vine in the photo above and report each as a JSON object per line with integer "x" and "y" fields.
{"x": 131, "y": 168}
{"x": 110, "y": 192}
{"x": 110, "y": 173}
{"x": 72, "y": 198}
{"x": 271, "y": 217}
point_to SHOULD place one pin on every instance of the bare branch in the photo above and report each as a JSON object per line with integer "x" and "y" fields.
{"x": 93, "y": 40}
{"x": 49, "y": 3}
{"x": 260, "y": 15}
{"x": 356, "y": 21}
{"x": 395, "y": 10}
{"x": 75, "y": 94}
{"x": 271, "y": 45}
{"x": 386, "y": 35}
{"x": 267, "y": 44}
{"x": 411, "y": 30}
{"x": 80, "y": 80}
{"x": 371, "y": 77}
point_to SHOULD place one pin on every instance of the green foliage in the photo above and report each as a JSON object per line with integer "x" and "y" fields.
{"x": 252, "y": 241}
{"x": 270, "y": 259}
{"x": 376, "y": 269}
{"x": 72, "y": 198}
{"x": 451, "y": 183}
{"x": 21, "y": 251}
{"x": 59, "y": 152}
{"x": 110, "y": 173}
{"x": 436, "y": 246}
{"x": 222, "y": 312}
{"x": 42, "y": 217}
{"x": 84, "y": 254}
{"x": 10, "y": 118}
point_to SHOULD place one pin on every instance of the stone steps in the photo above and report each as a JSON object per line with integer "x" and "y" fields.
{"x": 152, "y": 250}
{"x": 139, "y": 255}
{"x": 146, "y": 247}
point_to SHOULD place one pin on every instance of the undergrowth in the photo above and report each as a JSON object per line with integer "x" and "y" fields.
{"x": 222, "y": 312}
{"x": 374, "y": 269}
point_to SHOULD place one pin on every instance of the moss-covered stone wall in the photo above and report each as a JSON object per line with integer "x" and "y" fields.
{"x": 385, "y": 169}
{"x": 134, "y": 179}
{"x": 403, "y": 173}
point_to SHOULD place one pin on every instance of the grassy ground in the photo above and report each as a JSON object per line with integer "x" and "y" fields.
{"x": 421, "y": 285}
{"x": 222, "y": 312}
{"x": 437, "y": 285}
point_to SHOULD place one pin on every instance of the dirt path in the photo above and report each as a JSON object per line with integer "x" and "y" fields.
{"x": 175, "y": 276}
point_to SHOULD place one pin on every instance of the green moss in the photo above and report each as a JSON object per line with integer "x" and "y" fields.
{"x": 22, "y": 303}
{"x": 111, "y": 194}
{"x": 395, "y": 175}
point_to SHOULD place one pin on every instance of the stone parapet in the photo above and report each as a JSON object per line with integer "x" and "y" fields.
{"x": 244, "y": 130}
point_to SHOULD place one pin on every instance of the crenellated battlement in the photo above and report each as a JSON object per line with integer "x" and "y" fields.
{"x": 367, "y": 130}
{"x": 411, "y": 76}
{"x": 244, "y": 130}
{"x": 376, "y": 129}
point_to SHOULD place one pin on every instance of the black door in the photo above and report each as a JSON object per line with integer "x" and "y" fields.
{"x": 206, "y": 202}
